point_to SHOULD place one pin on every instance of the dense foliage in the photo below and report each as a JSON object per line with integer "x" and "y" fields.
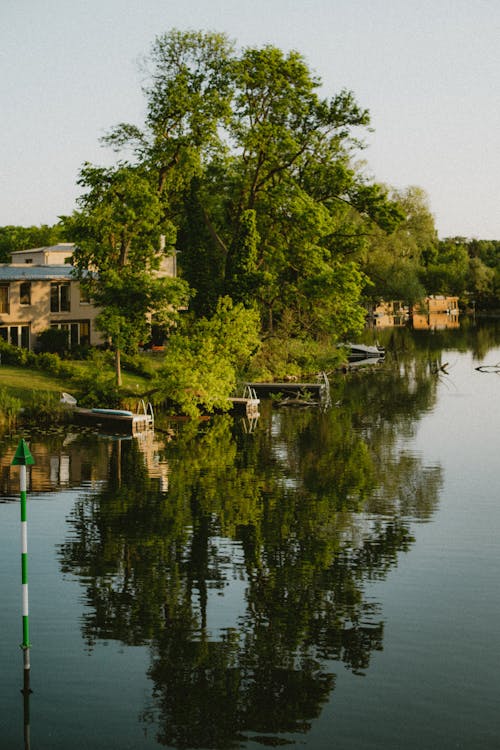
{"x": 255, "y": 180}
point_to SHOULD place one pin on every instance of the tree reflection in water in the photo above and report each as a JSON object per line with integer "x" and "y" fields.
{"x": 305, "y": 511}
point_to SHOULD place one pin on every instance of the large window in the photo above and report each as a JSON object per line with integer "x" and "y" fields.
{"x": 17, "y": 335}
{"x": 78, "y": 332}
{"x": 60, "y": 296}
{"x": 25, "y": 293}
{"x": 4, "y": 299}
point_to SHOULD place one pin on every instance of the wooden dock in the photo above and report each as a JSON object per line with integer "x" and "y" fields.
{"x": 113, "y": 421}
{"x": 247, "y": 407}
{"x": 311, "y": 390}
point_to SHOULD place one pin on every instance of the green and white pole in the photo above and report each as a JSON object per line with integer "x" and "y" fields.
{"x": 22, "y": 459}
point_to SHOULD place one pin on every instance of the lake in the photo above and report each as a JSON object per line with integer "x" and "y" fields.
{"x": 325, "y": 579}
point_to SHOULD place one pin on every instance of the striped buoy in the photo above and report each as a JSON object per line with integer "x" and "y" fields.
{"x": 22, "y": 459}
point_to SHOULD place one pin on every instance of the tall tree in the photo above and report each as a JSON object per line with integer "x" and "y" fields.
{"x": 257, "y": 171}
{"x": 118, "y": 231}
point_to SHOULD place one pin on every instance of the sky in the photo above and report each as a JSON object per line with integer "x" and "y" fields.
{"x": 427, "y": 71}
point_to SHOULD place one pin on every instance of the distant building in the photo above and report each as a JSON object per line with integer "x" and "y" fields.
{"x": 390, "y": 314}
{"x": 38, "y": 291}
{"x": 436, "y": 311}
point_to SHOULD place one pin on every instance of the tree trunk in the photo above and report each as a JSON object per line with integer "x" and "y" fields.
{"x": 118, "y": 368}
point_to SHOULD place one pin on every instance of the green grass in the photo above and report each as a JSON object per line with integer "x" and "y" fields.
{"x": 22, "y": 382}
{"x": 19, "y": 381}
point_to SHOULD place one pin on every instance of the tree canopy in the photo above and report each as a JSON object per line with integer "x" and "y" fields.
{"x": 256, "y": 171}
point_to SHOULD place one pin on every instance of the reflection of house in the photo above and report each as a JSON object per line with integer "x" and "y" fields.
{"x": 157, "y": 466}
{"x": 390, "y": 314}
{"x": 58, "y": 466}
{"x": 434, "y": 312}
{"x": 437, "y": 312}
{"x": 38, "y": 291}
{"x": 78, "y": 460}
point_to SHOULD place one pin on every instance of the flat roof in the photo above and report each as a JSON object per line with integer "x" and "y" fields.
{"x": 28, "y": 272}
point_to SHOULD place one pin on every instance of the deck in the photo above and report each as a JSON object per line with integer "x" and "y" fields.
{"x": 123, "y": 423}
{"x": 313, "y": 390}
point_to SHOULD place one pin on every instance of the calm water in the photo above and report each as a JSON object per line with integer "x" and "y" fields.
{"x": 327, "y": 580}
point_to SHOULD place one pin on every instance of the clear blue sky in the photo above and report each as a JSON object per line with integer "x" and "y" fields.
{"x": 428, "y": 71}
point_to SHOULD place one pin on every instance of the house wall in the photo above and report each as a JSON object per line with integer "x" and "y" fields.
{"x": 442, "y": 304}
{"x": 38, "y": 315}
{"x": 55, "y": 255}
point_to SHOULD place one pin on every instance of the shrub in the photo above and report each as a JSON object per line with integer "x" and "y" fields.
{"x": 98, "y": 389}
{"x": 44, "y": 408}
{"x": 54, "y": 340}
{"x": 12, "y": 355}
{"x": 137, "y": 364}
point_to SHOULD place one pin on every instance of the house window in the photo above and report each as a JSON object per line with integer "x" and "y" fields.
{"x": 25, "y": 337}
{"x": 59, "y": 297}
{"x": 4, "y": 298}
{"x": 84, "y": 296}
{"x": 78, "y": 332}
{"x": 25, "y": 293}
{"x": 17, "y": 335}
{"x": 29, "y": 260}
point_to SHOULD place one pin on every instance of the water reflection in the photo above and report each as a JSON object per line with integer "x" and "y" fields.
{"x": 243, "y": 560}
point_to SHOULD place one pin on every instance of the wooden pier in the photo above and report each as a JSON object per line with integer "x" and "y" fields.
{"x": 246, "y": 405}
{"x": 116, "y": 420}
{"x": 310, "y": 390}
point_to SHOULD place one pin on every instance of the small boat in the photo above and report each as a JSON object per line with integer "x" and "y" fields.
{"x": 114, "y": 412}
{"x": 364, "y": 351}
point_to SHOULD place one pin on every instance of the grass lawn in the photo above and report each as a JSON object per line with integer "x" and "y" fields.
{"x": 22, "y": 382}
{"x": 19, "y": 381}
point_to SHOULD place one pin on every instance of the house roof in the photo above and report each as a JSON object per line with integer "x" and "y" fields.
{"x": 26, "y": 272}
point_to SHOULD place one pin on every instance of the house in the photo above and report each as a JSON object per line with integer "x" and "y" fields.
{"x": 38, "y": 291}
{"x": 436, "y": 311}
{"x": 390, "y": 314}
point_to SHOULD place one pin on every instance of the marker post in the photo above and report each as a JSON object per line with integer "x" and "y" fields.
{"x": 22, "y": 459}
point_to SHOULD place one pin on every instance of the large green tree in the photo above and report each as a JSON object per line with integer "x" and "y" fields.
{"x": 257, "y": 171}
{"x": 121, "y": 239}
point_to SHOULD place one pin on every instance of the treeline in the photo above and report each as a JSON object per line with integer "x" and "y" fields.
{"x": 13, "y": 238}
{"x": 469, "y": 268}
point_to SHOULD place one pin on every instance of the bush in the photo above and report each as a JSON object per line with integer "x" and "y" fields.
{"x": 137, "y": 364}
{"x": 44, "y": 408}
{"x": 12, "y": 355}
{"x": 54, "y": 341}
{"x": 98, "y": 389}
